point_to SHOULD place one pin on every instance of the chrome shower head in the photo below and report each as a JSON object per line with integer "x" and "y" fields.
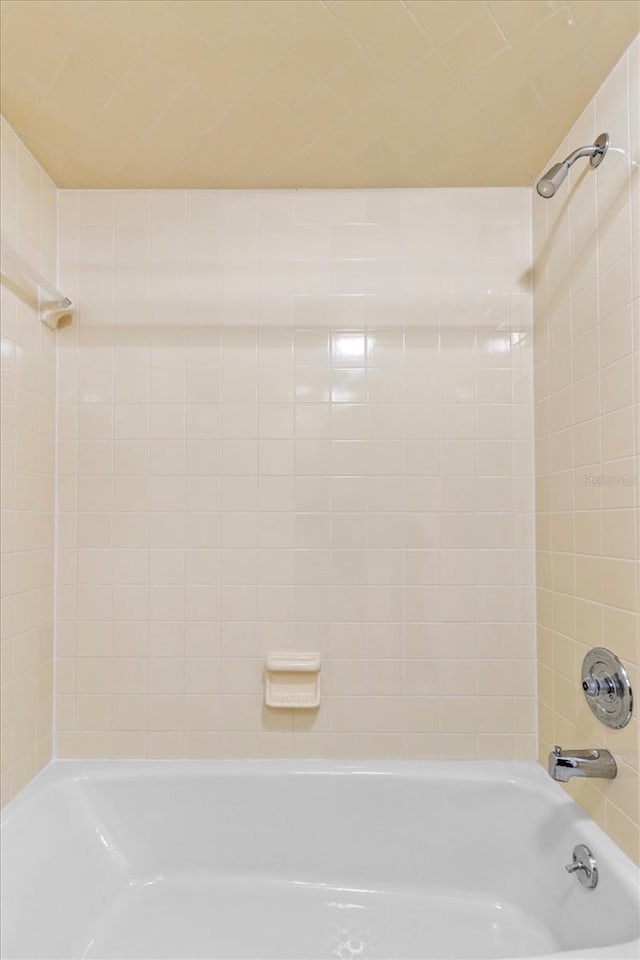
{"x": 555, "y": 175}
{"x": 549, "y": 183}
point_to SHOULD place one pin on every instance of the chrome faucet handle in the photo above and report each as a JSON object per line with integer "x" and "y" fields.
{"x": 595, "y": 688}
{"x": 573, "y": 866}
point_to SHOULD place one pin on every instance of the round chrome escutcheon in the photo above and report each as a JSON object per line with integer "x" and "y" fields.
{"x": 606, "y": 687}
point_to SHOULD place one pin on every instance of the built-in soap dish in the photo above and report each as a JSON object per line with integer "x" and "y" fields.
{"x": 292, "y": 681}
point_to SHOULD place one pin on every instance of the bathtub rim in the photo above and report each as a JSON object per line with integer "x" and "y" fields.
{"x": 527, "y": 774}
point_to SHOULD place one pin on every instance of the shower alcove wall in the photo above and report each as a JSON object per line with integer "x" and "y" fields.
{"x": 296, "y": 420}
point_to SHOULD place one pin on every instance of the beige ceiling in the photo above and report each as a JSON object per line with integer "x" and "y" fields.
{"x": 286, "y": 93}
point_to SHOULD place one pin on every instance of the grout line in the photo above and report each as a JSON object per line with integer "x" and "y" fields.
{"x": 56, "y": 500}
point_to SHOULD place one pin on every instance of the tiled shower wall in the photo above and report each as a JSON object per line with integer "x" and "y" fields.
{"x": 27, "y": 481}
{"x": 587, "y": 341}
{"x": 296, "y": 420}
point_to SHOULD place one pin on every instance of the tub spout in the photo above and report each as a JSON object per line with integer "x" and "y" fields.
{"x": 564, "y": 764}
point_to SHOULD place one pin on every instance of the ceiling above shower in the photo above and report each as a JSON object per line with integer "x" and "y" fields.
{"x": 303, "y": 93}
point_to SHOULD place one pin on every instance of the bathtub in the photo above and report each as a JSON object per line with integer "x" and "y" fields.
{"x": 296, "y": 859}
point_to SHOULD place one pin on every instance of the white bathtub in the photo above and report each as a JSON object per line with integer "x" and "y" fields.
{"x": 303, "y": 859}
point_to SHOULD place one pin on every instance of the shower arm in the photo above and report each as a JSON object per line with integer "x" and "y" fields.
{"x": 591, "y": 151}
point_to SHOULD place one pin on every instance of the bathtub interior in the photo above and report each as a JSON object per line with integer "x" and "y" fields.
{"x": 261, "y": 860}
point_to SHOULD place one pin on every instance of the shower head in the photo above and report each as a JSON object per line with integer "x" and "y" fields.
{"x": 549, "y": 183}
{"x": 555, "y": 175}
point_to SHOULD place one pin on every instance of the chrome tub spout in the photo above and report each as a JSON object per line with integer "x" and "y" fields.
{"x": 564, "y": 764}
